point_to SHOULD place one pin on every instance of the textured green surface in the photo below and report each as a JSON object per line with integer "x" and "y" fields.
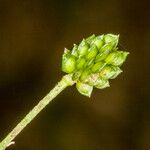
{"x": 93, "y": 62}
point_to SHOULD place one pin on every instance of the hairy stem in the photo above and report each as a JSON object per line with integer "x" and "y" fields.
{"x": 65, "y": 82}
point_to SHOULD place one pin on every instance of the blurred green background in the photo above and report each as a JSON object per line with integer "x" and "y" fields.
{"x": 33, "y": 34}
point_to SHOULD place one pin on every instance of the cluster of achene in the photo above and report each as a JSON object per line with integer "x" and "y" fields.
{"x": 93, "y": 62}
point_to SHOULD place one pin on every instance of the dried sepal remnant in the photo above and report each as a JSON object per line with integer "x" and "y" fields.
{"x": 93, "y": 62}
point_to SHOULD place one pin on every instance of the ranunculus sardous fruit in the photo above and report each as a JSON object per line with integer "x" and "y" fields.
{"x": 93, "y": 62}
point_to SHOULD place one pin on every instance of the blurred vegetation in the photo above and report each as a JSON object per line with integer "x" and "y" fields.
{"x": 33, "y": 34}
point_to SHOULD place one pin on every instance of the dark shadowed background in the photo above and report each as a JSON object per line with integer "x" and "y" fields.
{"x": 33, "y": 34}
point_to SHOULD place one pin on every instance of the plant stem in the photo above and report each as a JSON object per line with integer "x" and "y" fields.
{"x": 65, "y": 82}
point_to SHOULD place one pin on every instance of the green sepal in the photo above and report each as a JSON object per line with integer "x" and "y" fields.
{"x": 68, "y": 62}
{"x": 84, "y": 89}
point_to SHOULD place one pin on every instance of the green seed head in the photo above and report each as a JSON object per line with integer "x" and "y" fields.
{"x": 93, "y": 62}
